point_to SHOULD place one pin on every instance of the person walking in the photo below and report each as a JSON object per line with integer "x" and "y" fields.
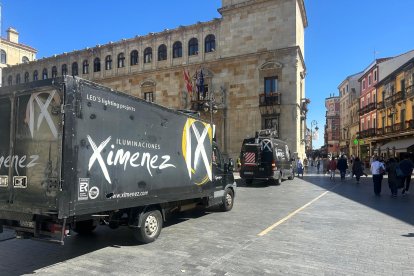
{"x": 342, "y": 166}
{"x": 394, "y": 181}
{"x": 357, "y": 169}
{"x": 377, "y": 170}
{"x": 299, "y": 167}
{"x": 406, "y": 166}
{"x": 306, "y": 164}
{"x": 318, "y": 165}
{"x": 332, "y": 168}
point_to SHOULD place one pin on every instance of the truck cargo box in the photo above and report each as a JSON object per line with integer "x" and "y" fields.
{"x": 71, "y": 148}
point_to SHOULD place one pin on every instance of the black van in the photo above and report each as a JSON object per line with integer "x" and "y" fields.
{"x": 265, "y": 158}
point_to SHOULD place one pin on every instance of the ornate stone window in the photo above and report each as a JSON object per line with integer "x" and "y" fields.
{"x": 64, "y": 70}
{"x": 121, "y": 60}
{"x": 85, "y": 67}
{"x": 25, "y": 59}
{"x": 148, "y": 90}
{"x": 210, "y": 43}
{"x": 177, "y": 49}
{"x": 193, "y": 47}
{"x": 162, "y": 52}
{"x": 44, "y": 74}
{"x": 134, "y": 57}
{"x": 75, "y": 70}
{"x": 10, "y": 80}
{"x": 270, "y": 85}
{"x": 18, "y": 79}
{"x": 26, "y": 77}
{"x": 35, "y": 75}
{"x": 3, "y": 57}
{"x": 108, "y": 62}
{"x": 97, "y": 65}
{"x": 54, "y": 72}
{"x": 148, "y": 55}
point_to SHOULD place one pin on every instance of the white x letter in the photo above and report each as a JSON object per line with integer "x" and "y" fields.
{"x": 97, "y": 156}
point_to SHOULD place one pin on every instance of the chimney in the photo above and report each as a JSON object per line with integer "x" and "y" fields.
{"x": 12, "y": 35}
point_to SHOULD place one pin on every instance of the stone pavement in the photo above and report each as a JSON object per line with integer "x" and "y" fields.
{"x": 346, "y": 230}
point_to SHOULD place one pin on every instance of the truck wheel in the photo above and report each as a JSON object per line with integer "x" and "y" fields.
{"x": 228, "y": 200}
{"x": 277, "y": 181}
{"x": 150, "y": 228}
{"x": 84, "y": 227}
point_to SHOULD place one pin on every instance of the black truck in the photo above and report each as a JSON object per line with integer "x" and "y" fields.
{"x": 265, "y": 157}
{"x": 75, "y": 154}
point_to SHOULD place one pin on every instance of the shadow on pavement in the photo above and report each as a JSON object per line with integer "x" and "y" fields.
{"x": 401, "y": 207}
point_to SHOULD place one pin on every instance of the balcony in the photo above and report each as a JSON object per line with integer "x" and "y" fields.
{"x": 367, "y": 108}
{"x": 409, "y": 92}
{"x": 380, "y": 105}
{"x": 396, "y": 128}
{"x": 270, "y": 99}
{"x": 367, "y": 133}
{"x": 393, "y": 99}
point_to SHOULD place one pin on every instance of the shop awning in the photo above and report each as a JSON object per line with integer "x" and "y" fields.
{"x": 400, "y": 145}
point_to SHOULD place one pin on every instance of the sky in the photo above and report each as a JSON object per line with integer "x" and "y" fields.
{"x": 342, "y": 37}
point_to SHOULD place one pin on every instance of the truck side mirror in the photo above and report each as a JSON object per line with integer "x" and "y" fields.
{"x": 230, "y": 166}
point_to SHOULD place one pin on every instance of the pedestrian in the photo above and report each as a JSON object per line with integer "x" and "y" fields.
{"x": 394, "y": 181}
{"x": 342, "y": 166}
{"x": 299, "y": 167}
{"x": 377, "y": 170}
{"x": 332, "y": 168}
{"x": 406, "y": 166}
{"x": 357, "y": 168}
{"x": 318, "y": 164}
{"x": 305, "y": 164}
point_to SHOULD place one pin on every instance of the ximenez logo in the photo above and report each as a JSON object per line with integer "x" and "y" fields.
{"x": 200, "y": 134}
{"x": 121, "y": 157}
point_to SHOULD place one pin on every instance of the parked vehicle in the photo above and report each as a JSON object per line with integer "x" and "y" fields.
{"x": 74, "y": 154}
{"x": 265, "y": 158}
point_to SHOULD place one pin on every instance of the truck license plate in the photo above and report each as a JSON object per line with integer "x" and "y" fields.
{"x": 248, "y": 173}
{"x": 29, "y": 224}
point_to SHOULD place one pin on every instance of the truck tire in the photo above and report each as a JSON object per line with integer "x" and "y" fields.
{"x": 292, "y": 176}
{"x": 84, "y": 227}
{"x": 150, "y": 228}
{"x": 228, "y": 200}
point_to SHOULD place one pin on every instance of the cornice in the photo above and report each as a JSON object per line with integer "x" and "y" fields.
{"x": 18, "y": 45}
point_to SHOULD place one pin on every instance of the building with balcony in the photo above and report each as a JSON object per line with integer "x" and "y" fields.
{"x": 395, "y": 129}
{"x": 252, "y": 61}
{"x": 349, "y": 92}
{"x": 12, "y": 52}
{"x": 332, "y": 125}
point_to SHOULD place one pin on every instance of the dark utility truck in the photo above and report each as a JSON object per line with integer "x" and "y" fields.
{"x": 265, "y": 158}
{"x": 74, "y": 154}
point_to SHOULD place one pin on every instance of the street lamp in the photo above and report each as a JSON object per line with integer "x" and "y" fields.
{"x": 313, "y": 123}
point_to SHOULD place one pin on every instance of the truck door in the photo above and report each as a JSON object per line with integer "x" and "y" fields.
{"x": 5, "y": 112}
{"x": 35, "y": 161}
{"x": 219, "y": 174}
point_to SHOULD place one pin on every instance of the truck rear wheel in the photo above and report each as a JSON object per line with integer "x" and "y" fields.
{"x": 84, "y": 227}
{"x": 150, "y": 228}
{"x": 228, "y": 200}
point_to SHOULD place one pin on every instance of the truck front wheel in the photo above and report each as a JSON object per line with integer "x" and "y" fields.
{"x": 150, "y": 228}
{"x": 228, "y": 200}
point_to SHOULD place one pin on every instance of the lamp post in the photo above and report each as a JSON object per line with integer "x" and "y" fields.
{"x": 314, "y": 123}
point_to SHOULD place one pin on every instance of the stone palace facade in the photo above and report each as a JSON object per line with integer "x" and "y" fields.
{"x": 252, "y": 59}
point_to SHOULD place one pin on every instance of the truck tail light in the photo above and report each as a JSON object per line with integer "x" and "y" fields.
{"x": 274, "y": 167}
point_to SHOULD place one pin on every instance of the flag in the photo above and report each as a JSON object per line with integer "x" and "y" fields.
{"x": 188, "y": 82}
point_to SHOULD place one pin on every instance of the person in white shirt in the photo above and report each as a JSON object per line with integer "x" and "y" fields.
{"x": 377, "y": 170}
